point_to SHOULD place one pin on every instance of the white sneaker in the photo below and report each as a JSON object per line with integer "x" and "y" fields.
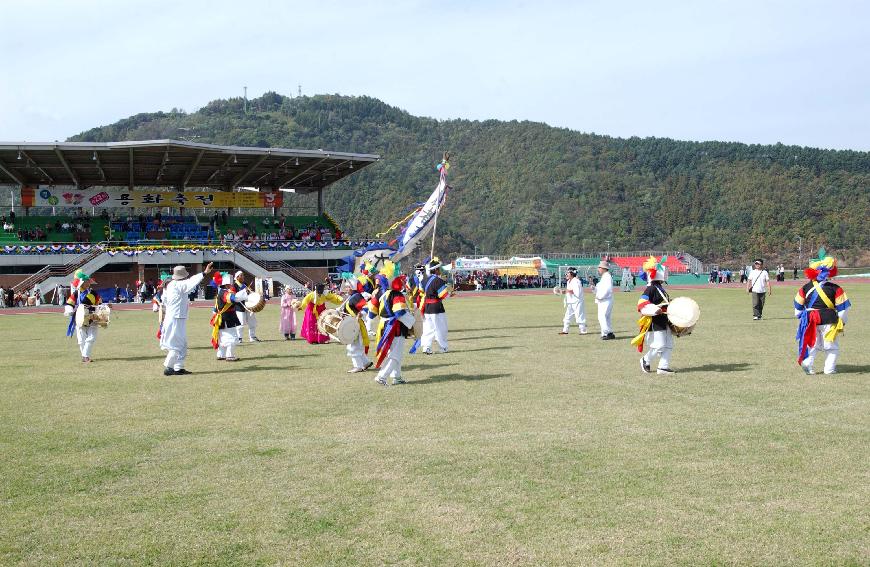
{"x": 583, "y": 330}
{"x": 808, "y": 370}
{"x": 664, "y": 371}
{"x": 381, "y": 381}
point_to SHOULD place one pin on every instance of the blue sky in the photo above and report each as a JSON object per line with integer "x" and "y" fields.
{"x": 796, "y": 72}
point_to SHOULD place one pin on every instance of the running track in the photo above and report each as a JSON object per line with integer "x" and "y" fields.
{"x": 199, "y": 304}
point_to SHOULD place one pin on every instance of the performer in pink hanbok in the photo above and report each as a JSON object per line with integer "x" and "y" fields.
{"x": 287, "y": 323}
{"x": 314, "y": 304}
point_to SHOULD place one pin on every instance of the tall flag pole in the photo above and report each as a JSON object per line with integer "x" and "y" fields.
{"x": 442, "y": 167}
{"x": 425, "y": 219}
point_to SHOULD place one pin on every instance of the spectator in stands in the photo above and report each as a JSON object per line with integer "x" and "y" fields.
{"x": 117, "y": 293}
{"x": 12, "y": 217}
{"x": 2, "y": 297}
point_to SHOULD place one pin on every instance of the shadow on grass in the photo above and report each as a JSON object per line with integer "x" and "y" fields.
{"x": 131, "y": 358}
{"x": 853, "y": 369}
{"x": 556, "y": 326}
{"x": 454, "y": 377}
{"x": 482, "y": 349}
{"x": 726, "y": 367}
{"x": 453, "y": 340}
{"x": 275, "y": 356}
{"x": 236, "y": 368}
{"x": 425, "y": 366}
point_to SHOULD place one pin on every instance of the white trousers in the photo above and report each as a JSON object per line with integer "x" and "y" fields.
{"x": 357, "y": 353}
{"x": 173, "y": 339}
{"x": 605, "y": 308}
{"x": 227, "y": 339}
{"x": 574, "y": 311}
{"x": 660, "y": 343}
{"x": 86, "y": 337}
{"x": 246, "y": 318}
{"x": 392, "y": 366}
{"x": 371, "y": 325}
{"x": 832, "y": 350}
{"x": 434, "y": 329}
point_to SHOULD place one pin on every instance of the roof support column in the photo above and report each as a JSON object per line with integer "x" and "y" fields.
{"x": 320, "y": 202}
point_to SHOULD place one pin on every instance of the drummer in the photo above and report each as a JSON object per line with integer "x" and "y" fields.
{"x": 653, "y": 305}
{"x": 82, "y": 295}
{"x": 245, "y": 315}
{"x": 225, "y": 319}
{"x": 358, "y": 350}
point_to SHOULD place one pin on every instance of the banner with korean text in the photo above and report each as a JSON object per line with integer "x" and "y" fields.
{"x": 105, "y": 198}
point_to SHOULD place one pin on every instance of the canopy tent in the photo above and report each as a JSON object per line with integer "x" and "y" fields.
{"x": 518, "y": 271}
{"x": 523, "y": 265}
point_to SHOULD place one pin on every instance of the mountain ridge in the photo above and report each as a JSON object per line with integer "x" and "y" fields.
{"x": 522, "y": 186}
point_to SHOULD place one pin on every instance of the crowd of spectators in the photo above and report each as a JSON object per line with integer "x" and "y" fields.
{"x": 277, "y": 229}
{"x": 487, "y": 279}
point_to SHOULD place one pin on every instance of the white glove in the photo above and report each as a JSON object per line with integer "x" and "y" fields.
{"x": 650, "y": 310}
{"x": 68, "y": 310}
{"x": 241, "y": 295}
{"x": 407, "y": 319}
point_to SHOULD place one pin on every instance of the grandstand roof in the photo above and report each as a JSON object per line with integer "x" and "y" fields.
{"x": 173, "y": 163}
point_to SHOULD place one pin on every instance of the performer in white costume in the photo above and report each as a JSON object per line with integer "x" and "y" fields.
{"x": 246, "y": 317}
{"x": 574, "y": 307}
{"x": 433, "y": 291}
{"x": 81, "y": 294}
{"x": 604, "y": 299}
{"x": 173, "y": 337}
{"x": 654, "y": 325}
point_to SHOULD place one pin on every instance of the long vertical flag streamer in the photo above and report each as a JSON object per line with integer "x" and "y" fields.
{"x": 424, "y": 221}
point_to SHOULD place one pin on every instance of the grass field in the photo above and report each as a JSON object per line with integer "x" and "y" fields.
{"x": 519, "y": 447}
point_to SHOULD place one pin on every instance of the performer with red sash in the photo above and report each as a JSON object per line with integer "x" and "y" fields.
{"x": 821, "y": 307}
{"x": 434, "y": 316}
{"x": 396, "y": 323}
{"x": 225, "y": 319}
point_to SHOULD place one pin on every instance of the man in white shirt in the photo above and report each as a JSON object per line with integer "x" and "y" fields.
{"x": 574, "y": 307}
{"x": 758, "y": 284}
{"x": 604, "y": 299}
{"x": 173, "y": 336}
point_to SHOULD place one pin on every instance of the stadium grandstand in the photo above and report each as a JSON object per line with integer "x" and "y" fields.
{"x": 124, "y": 211}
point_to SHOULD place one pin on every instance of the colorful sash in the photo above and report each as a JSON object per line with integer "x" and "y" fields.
{"x": 216, "y": 321}
{"x": 644, "y": 323}
{"x": 837, "y": 327}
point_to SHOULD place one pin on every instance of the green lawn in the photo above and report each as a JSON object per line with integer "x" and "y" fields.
{"x": 519, "y": 447}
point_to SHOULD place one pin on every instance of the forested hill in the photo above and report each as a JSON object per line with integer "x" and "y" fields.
{"x": 529, "y": 187}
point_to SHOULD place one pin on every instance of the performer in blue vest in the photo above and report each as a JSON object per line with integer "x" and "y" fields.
{"x": 434, "y": 316}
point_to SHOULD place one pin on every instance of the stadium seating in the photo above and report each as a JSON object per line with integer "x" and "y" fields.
{"x": 635, "y": 263}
